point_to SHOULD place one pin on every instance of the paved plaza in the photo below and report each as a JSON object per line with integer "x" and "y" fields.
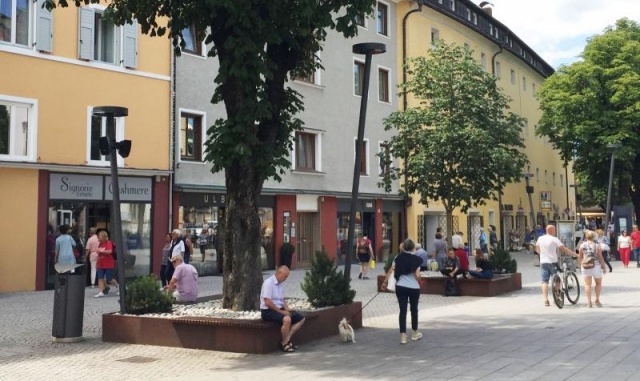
{"x": 510, "y": 337}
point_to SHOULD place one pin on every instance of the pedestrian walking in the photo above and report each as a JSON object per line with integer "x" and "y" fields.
{"x": 592, "y": 265}
{"x": 624, "y": 248}
{"x": 64, "y": 247}
{"x": 166, "y": 260}
{"x": 91, "y": 255}
{"x": 603, "y": 241}
{"x": 105, "y": 264}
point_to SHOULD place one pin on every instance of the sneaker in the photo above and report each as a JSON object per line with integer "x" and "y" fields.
{"x": 417, "y": 335}
{"x": 598, "y": 304}
{"x": 403, "y": 338}
{"x": 99, "y": 295}
{"x": 106, "y": 290}
{"x": 360, "y": 276}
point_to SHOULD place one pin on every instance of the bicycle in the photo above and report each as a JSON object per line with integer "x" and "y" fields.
{"x": 568, "y": 284}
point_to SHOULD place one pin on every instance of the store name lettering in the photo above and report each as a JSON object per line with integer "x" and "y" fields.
{"x": 127, "y": 190}
{"x": 77, "y": 190}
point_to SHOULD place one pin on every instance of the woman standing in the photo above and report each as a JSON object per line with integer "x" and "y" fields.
{"x": 166, "y": 261}
{"x": 592, "y": 265}
{"x": 105, "y": 264}
{"x": 624, "y": 247}
{"x": 365, "y": 253}
{"x": 64, "y": 247}
{"x": 406, "y": 271}
{"x": 603, "y": 241}
{"x": 439, "y": 252}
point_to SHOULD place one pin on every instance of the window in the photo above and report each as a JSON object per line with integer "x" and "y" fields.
{"x": 533, "y": 89}
{"x": 191, "y": 42}
{"x": 361, "y": 21}
{"x": 475, "y": 18}
{"x": 364, "y": 154}
{"x": 191, "y": 136}
{"x": 513, "y": 77}
{"x": 498, "y": 70}
{"x": 525, "y": 129}
{"x": 313, "y": 78}
{"x": 524, "y": 84}
{"x": 384, "y": 159}
{"x": 435, "y": 35}
{"x": 468, "y": 14}
{"x": 383, "y": 19}
{"x": 97, "y": 129}
{"x": 17, "y": 128}
{"x": 546, "y": 177}
{"x": 358, "y": 77}
{"x": 483, "y": 60}
{"x": 537, "y": 175}
{"x": 101, "y": 40}
{"x": 452, "y": 5}
{"x": 15, "y": 16}
{"x": 383, "y": 85}
{"x": 553, "y": 176}
{"x": 561, "y": 181}
{"x": 306, "y": 151}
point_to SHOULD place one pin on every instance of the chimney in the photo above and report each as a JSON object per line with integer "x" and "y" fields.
{"x": 487, "y": 7}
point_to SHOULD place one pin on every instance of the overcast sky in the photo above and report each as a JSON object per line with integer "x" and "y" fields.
{"x": 558, "y": 29}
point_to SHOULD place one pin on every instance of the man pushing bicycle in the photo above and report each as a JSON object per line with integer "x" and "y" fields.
{"x": 547, "y": 246}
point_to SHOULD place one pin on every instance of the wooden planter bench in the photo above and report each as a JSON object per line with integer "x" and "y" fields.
{"x": 499, "y": 284}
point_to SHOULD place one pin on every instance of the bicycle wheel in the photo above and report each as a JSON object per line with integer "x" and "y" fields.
{"x": 572, "y": 287}
{"x": 558, "y": 293}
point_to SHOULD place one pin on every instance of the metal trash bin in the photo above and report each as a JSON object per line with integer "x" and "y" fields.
{"x": 68, "y": 304}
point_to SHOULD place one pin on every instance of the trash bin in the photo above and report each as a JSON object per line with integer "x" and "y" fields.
{"x": 68, "y": 304}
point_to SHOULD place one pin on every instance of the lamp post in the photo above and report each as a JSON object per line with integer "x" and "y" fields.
{"x": 607, "y": 216}
{"x": 109, "y": 146}
{"x": 368, "y": 49}
{"x": 529, "y": 189}
{"x": 575, "y": 193}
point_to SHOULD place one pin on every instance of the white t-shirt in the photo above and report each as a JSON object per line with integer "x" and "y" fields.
{"x": 549, "y": 246}
{"x": 178, "y": 249}
{"x": 456, "y": 241}
{"x": 624, "y": 242}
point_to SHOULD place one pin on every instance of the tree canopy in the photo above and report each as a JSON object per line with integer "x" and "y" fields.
{"x": 260, "y": 45}
{"x": 460, "y": 146}
{"x": 595, "y": 102}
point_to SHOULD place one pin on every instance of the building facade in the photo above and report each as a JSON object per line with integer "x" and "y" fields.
{"x": 310, "y": 207}
{"x": 56, "y": 67}
{"x": 520, "y": 72}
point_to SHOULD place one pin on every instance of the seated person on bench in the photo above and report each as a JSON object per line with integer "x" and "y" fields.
{"x": 451, "y": 264}
{"x": 484, "y": 268}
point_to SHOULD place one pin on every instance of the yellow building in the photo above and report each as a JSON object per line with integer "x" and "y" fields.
{"x": 521, "y": 73}
{"x": 55, "y": 67}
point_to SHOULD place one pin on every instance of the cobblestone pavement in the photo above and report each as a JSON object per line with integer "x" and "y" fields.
{"x": 510, "y": 337}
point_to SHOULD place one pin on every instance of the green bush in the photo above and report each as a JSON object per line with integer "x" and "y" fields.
{"x": 144, "y": 297}
{"x": 503, "y": 263}
{"x": 325, "y": 285}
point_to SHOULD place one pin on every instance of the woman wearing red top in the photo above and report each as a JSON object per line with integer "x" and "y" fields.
{"x": 105, "y": 264}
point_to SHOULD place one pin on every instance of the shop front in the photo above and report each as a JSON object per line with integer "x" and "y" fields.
{"x": 82, "y": 201}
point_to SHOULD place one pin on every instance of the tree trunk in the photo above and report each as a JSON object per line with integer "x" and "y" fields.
{"x": 242, "y": 273}
{"x": 450, "y": 231}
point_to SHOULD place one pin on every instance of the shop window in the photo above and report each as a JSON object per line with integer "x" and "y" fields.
{"x": 358, "y": 77}
{"x": 383, "y": 85}
{"x": 101, "y": 40}
{"x": 17, "y": 128}
{"x": 383, "y": 19}
{"x": 364, "y": 154}
{"x": 97, "y": 129}
{"x": 192, "y": 44}
{"x": 191, "y": 133}
{"x": 307, "y": 151}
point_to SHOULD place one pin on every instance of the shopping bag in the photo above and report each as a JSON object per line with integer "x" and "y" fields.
{"x": 372, "y": 263}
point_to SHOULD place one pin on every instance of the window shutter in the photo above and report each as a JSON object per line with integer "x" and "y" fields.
{"x": 131, "y": 45}
{"x": 44, "y": 36}
{"x": 87, "y": 22}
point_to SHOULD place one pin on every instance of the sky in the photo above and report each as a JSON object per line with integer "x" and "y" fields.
{"x": 558, "y": 29}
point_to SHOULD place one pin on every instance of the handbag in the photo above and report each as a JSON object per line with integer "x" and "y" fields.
{"x": 391, "y": 282}
{"x": 372, "y": 263}
{"x": 588, "y": 263}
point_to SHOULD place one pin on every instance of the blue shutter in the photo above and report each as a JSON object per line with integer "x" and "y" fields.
{"x": 85, "y": 44}
{"x": 44, "y": 36}
{"x": 131, "y": 45}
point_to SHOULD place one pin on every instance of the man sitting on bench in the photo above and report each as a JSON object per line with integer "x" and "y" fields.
{"x": 451, "y": 264}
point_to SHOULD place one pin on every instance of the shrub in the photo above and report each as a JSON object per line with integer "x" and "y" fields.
{"x": 144, "y": 297}
{"x": 503, "y": 263}
{"x": 325, "y": 285}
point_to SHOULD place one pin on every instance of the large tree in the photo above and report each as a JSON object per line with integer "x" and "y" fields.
{"x": 595, "y": 102}
{"x": 460, "y": 146}
{"x": 260, "y": 45}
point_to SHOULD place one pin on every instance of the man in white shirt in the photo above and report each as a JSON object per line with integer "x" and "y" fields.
{"x": 456, "y": 241}
{"x": 547, "y": 246}
{"x": 177, "y": 243}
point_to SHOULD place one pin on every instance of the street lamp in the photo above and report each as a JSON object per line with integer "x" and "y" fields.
{"x": 613, "y": 148}
{"x": 109, "y": 146}
{"x": 575, "y": 192}
{"x": 368, "y": 49}
{"x": 529, "y": 189}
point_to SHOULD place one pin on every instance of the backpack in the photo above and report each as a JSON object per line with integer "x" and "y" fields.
{"x": 451, "y": 287}
{"x": 589, "y": 256}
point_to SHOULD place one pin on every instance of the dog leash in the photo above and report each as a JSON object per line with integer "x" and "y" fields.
{"x": 360, "y": 311}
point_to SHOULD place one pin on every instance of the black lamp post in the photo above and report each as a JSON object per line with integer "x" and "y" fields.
{"x": 613, "y": 148}
{"x": 529, "y": 189}
{"x": 109, "y": 146}
{"x": 368, "y": 49}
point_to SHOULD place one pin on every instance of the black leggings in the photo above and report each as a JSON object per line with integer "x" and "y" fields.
{"x": 412, "y": 295}
{"x": 605, "y": 256}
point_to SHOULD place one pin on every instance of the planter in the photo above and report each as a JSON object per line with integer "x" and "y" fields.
{"x": 228, "y": 335}
{"x": 498, "y": 285}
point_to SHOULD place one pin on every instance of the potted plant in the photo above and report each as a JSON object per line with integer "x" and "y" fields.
{"x": 324, "y": 285}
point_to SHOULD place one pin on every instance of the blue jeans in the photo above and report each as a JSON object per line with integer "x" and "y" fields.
{"x": 547, "y": 270}
{"x": 636, "y": 254}
{"x": 485, "y": 274}
{"x": 412, "y": 295}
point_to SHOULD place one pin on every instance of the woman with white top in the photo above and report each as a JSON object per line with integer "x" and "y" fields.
{"x": 590, "y": 252}
{"x": 624, "y": 247}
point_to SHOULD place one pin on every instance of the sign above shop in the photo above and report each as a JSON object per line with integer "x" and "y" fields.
{"x": 131, "y": 188}
{"x": 65, "y": 186}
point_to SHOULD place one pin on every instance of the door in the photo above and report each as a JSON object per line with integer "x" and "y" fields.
{"x": 308, "y": 238}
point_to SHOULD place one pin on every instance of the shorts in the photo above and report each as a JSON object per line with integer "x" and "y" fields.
{"x": 547, "y": 270}
{"x": 102, "y": 273}
{"x": 364, "y": 257}
{"x": 276, "y": 317}
{"x": 595, "y": 271}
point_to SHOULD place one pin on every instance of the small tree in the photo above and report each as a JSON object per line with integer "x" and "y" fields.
{"x": 503, "y": 263}
{"x": 144, "y": 297}
{"x": 460, "y": 146}
{"x": 325, "y": 285}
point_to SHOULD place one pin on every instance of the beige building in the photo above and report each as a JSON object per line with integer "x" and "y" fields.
{"x": 521, "y": 73}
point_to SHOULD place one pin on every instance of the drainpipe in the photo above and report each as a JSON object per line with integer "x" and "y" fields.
{"x": 172, "y": 147}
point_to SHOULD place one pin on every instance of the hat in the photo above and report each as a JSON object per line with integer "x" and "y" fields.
{"x": 176, "y": 256}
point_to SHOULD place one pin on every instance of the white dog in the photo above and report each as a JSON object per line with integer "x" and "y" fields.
{"x": 346, "y": 331}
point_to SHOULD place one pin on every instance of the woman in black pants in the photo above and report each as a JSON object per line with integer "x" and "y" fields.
{"x": 406, "y": 271}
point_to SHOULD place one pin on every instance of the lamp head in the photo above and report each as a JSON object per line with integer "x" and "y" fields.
{"x": 369, "y": 48}
{"x": 124, "y": 148}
